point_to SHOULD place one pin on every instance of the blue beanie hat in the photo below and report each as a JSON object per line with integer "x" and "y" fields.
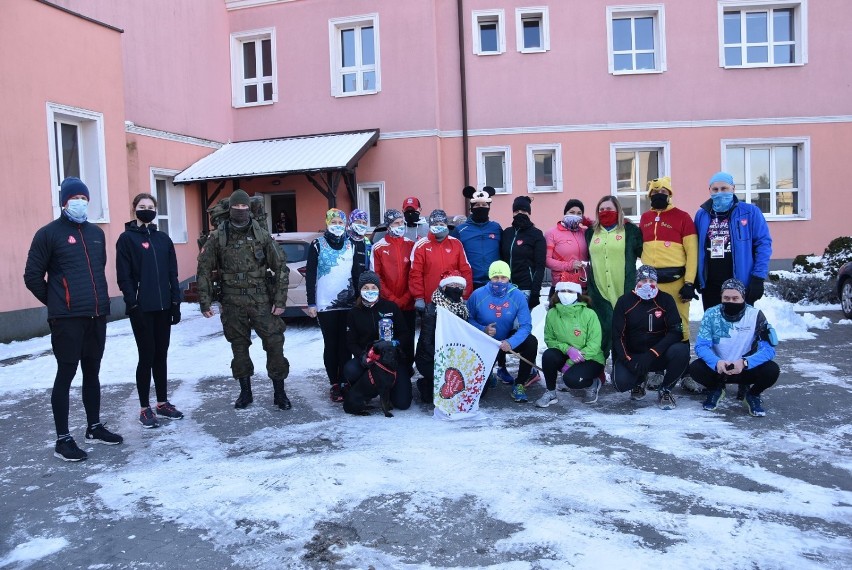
{"x": 721, "y": 177}
{"x": 71, "y": 186}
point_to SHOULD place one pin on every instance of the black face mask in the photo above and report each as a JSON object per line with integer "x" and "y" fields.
{"x": 659, "y": 201}
{"x": 411, "y": 217}
{"x": 521, "y": 221}
{"x": 479, "y": 215}
{"x": 733, "y": 310}
{"x": 239, "y": 218}
{"x": 146, "y": 216}
{"x": 454, "y": 294}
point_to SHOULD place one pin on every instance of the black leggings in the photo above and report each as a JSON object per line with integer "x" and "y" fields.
{"x": 580, "y": 375}
{"x": 335, "y": 350}
{"x": 674, "y": 361}
{"x": 760, "y": 377}
{"x": 152, "y": 332}
{"x": 77, "y": 340}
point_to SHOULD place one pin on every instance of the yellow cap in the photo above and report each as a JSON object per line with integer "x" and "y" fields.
{"x": 658, "y": 183}
{"x": 500, "y": 268}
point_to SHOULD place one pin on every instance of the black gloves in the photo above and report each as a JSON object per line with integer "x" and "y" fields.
{"x": 755, "y": 290}
{"x": 687, "y": 292}
{"x": 175, "y": 314}
{"x": 534, "y": 300}
{"x": 642, "y": 363}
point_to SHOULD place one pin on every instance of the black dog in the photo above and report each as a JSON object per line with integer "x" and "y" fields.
{"x": 378, "y": 379}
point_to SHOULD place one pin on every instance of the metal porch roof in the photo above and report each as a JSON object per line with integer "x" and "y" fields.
{"x": 312, "y": 153}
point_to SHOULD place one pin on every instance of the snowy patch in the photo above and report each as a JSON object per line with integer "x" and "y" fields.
{"x": 34, "y": 549}
{"x": 844, "y": 322}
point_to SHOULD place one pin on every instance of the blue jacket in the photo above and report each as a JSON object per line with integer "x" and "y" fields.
{"x": 485, "y": 308}
{"x": 751, "y": 244}
{"x": 481, "y": 242}
{"x": 720, "y": 339}
{"x": 146, "y": 268}
{"x": 73, "y": 256}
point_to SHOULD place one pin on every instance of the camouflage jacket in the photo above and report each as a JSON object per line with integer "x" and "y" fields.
{"x": 249, "y": 268}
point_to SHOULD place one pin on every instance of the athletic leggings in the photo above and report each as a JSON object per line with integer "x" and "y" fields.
{"x": 152, "y": 331}
{"x": 335, "y": 352}
{"x": 760, "y": 377}
{"x": 580, "y": 375}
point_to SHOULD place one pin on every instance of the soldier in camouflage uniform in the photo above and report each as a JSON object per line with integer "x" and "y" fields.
{"x": 242, "y": 252}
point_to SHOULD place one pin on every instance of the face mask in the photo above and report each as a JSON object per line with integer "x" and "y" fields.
{"x": 646, "y": 291}
{"x": 479, "y": 215}
{"x": 370, "y": 296}
{"x": 411, "y": 217}
{"x": 608, "y": 218}
{"x": 498, "y": 289}
{"x": 336, "y": 229}
{"x": 454, "y": 294}
{"x": 397, "y": 231}
{"x": 359, "y": 229}
{"x": 146, "y": 216}
{"x": 722, "y": 201}
{"x": 572, "y": 222}
{"x": 439, "y": 231}
{"x": 77, "y": 210}
{"x": 567, "y": 297}
{"x": 520, "y": 220}
{"x": 239, "y": 218}
{"x": 733, "y": 310}
{"x": 659, "y": 201}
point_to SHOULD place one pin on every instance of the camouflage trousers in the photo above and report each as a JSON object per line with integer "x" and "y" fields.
{"x": 237, "y": 322}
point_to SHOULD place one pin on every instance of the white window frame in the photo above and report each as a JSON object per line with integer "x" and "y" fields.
{"x": 364, "y": 189}
{"x": 556, "y": 150}
{"x": 176, "y": 200}
{"x": 335, "y": 27}
{"x": 800, "y": 19}
{"x": 804, "y": 166}
{"x": 655, "y": 11}
{"x": 481, "y": 181}
{"x": 92, "y": 152}
{"x": 541, "y": 13}
{"x": 663, "y": 167}
{"x": 479, "y": 17}
{"x": 238, "y": 80}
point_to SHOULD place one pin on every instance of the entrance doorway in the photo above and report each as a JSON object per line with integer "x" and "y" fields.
{"x": 285, "y": 204}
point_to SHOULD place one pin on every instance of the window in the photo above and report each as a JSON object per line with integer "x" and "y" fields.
{"x": 544, "y": 168}
{"x": 253, "y": 70}
{"x": 532, "y": 30}
{"x": 762, "y": 33}
{"x": 636, "y": 39}
{"x": 354, "y": 48}
{"x": 489, "y": 32}
{"x": 494, "y": 168}
{"x": 76, "y": 148}
{"x": 771, "y": 174}
{"x": 633, "y": 166}
{"x": 371, "y": 199}
{"x": 171, "y": 206}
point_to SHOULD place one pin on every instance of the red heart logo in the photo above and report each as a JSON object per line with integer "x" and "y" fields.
{"x": 744, "y": 222}
{"x": 520, "y": 242}
{"x": 453, "y": 383}
{"x": 617, "y": 238}
{"x": 577, "y": 332}
{"x": 146, "y": 245}
{"x": 71, "y": 240}
{"x": 658, "y": 314}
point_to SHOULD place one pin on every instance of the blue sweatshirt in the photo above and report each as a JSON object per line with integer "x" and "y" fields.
{"x": 504, "y": 311}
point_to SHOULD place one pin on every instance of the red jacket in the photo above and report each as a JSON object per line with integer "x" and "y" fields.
{"x": 430, "y": 259}
{"x": 391, "y": 259}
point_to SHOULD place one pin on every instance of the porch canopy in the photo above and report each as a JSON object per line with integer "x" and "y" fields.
{"x": 322, "y": 158}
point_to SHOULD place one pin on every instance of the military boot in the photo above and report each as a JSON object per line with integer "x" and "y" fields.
{"x": 245, "y": 398}
{"x": 280, "y": 398}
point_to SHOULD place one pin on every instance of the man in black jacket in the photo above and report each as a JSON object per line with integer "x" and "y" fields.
{"x": 71, "y": 252}
{"x": 646, "y": 336}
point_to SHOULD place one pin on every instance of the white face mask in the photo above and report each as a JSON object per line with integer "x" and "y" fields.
{"x": 337, "y": 229}
{"x": 370, "y": 296}
{"x": 359, "y": 229}
{"x": 397, "y": 231}
{"x": 567, "y": 297}
{"x": 438, "y": 230}
{"x": 646, "y": 291}
{"x": 77, "y": 209}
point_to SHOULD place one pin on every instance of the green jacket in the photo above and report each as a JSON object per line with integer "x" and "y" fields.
{"x": 574, "y": 325}
{"x": 632, "y": 252}
{"x": 250, "y": 268}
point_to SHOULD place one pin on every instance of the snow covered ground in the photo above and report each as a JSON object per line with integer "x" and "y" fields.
{"x": 616, "y": 484}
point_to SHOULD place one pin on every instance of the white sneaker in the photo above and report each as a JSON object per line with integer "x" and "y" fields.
{"x": 655, "y": 380}
{"x": 548, "y": 398}
{"x": 690, "y": 385}
{"x": 592, "y": 392}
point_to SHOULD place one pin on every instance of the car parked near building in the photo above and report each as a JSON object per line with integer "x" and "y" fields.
{"x": 295, "y": 246}
{"x": 844, "y": 289}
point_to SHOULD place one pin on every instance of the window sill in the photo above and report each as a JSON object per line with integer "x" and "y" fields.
{"x": 786, "y": 218}
{"x": 259, "y": 104}
{"x": 544, "y": 190}
{"x": 488, "y": 53}
{"x": 534, "y": 50}
{"x": 637, "y": 72}
{"x": 356, "y": 93}
{"x": 763, "y": 65}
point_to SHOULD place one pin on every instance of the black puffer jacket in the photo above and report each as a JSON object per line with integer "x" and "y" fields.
{"x": 146, "y": 268}
{"x": 73, "y": 256}
{"x": 523, "y": 247}
{"x": 362, "y": 326}
{"x": 639, "y": 326}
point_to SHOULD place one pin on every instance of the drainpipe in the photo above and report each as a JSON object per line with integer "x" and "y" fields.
{"x": 463, "y": 81}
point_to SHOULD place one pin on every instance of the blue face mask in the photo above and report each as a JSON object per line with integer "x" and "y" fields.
{"x": 359, "y": 229}
{"x": 77, "y": 210}
{"x": 722, "y": 201}
{"x": 439, "y": 231}
{"x": 370, "y": 296}
{"x": 498, "y": 289}
{"x": 337, "y": 229}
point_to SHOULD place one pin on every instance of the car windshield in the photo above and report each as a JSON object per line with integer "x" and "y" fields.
{"x": 295, "y": 251}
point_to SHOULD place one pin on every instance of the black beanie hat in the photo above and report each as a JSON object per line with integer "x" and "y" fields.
{"x": 239, "y": 197}
{"x": 369, "y": 277}
{"x": 522, "y": 203}
{"x": 71, "y": 186}
{"x": 571, "y": 203}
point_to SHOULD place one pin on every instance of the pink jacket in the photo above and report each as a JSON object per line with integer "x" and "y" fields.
{"x": 563, "y": 248}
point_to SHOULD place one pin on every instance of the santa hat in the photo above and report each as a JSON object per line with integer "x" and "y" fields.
{"x": 452, "y": 278}
{"x": 570, "y": 286}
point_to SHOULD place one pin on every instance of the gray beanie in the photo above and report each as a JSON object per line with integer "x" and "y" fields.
{"x": 735, "y": 284}
{"x": 239, "y": 197}
{"x": 391, "y": 215}
{"x": 646, "y": 272}
{"x": 369, "y": 277}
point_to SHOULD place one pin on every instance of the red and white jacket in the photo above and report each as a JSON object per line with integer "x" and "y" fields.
{"x": 430, "y": 259}
{"x": 391, "y": 259}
